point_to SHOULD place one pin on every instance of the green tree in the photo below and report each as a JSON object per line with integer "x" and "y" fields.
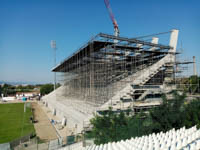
{"x": 46, "y": 89}
{"x": 193, "y": 81}
{"x": 110, "y": 127}
{"x": 5, "y": 88}
{"x": 172, "y": 113}
{"x": 192, "y": 114}
{"x": 58, "y": 85}
{"x": 169, "y": 114}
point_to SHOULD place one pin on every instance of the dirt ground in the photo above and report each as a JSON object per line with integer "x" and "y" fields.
{"x": 63, "y": 132}
{"x": 44, "y": 129}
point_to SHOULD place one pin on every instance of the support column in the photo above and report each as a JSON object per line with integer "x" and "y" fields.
{"x": 154, "y": 41}
{"x": 173, "y": 40}
{"x": 173, "y": 44}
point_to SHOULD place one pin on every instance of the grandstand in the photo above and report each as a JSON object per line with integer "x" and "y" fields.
{"x": 112, "y": 71}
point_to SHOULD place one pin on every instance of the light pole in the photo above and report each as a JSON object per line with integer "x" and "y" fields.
{"x": 53, "y": 46}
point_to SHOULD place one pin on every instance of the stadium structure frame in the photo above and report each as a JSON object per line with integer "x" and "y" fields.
{"x": 106, "y": 64}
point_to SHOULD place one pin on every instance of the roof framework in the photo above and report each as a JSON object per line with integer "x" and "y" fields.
{"x": 102, "y": 48}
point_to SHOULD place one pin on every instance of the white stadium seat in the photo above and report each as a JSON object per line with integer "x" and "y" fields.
{"x": 181, "y": 139}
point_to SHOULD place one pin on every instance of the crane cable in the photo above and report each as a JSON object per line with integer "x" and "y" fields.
{"x": 140, "y": 37}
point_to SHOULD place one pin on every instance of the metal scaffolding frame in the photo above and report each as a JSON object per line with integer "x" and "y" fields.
{"x": 103, "y": 65}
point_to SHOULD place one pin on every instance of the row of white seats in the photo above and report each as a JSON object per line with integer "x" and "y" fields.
{"x": 182, "y": 139}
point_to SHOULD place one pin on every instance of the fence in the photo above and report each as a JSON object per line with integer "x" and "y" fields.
{"x": 18, "y": 141}
{"x": 36, "y": 144}
{"x": 29, "y": 142}
{"x": 5, "y": 146}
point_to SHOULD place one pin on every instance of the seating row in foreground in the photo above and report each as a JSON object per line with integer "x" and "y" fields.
{"x": 181, "y": 139}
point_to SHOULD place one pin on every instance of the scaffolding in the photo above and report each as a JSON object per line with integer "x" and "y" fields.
{"x": 106, "y": 63}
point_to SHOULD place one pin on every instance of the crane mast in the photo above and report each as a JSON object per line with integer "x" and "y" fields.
{"x": 116, "y": 28}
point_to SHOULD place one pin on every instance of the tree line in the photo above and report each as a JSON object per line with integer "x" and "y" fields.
{"x": 8, "y": 90}
{"x": 173, "y": 113}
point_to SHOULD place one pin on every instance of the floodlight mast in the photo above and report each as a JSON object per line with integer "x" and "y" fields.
{"x": 116, "y": 28}
{"x": 53, "y": 46}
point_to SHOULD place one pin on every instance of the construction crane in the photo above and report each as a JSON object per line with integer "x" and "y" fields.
{"x": 116, "y": 28}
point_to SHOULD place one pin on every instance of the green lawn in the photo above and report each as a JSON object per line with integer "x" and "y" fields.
{"x": 14, "y": 123}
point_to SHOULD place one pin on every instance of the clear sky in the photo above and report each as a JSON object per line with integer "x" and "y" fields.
{"x": 28, "y": 26}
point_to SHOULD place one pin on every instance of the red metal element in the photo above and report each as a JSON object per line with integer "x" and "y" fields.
{"x": 111, "y": 14}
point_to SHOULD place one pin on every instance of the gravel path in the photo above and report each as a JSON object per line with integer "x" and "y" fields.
{"x": 44, "y": 129}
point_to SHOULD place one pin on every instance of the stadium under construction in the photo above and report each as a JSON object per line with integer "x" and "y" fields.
{"x": 113, "y": 71}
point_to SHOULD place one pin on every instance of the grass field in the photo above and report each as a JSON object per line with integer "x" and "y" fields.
{"x": 14, "y": 123}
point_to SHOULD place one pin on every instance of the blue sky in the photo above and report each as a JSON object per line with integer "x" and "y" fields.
{"x": 28, "y": 26}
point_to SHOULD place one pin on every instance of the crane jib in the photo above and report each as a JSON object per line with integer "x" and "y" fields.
{"x": 111, "y": 14}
